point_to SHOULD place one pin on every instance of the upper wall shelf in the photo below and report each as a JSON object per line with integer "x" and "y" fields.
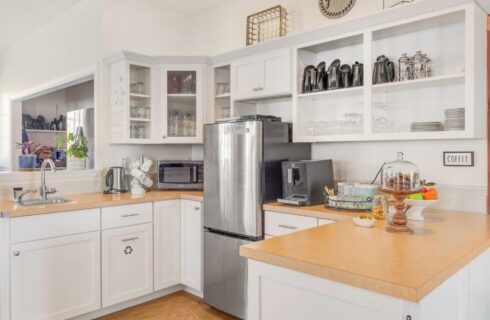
{"x": 397, "y": 110}
{"x": 421, "y": 83}
{"x": 332, "y": 93}
{"x": 137, "y": 95}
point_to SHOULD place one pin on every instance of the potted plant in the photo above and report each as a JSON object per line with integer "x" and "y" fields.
{"x": 28, "y": 158}
{"x": 77, "y": 152}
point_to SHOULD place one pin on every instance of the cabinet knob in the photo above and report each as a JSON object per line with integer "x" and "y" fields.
{"x": 260, "y": 88}
{"x": 255, "y": 89}
{"x": 164, "y": 136}
{"x": 16, "y": 253}
{"x": 196, "y": 208}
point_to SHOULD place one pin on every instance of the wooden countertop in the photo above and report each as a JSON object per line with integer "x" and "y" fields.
{"x": 403, "y": 266}
{"x": 96, "y": 200}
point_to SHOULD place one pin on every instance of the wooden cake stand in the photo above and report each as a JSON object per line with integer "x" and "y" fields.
{"x": 399, "y": 222}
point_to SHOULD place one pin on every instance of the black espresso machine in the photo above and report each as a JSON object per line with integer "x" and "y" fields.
{"x": 304, "y": 181}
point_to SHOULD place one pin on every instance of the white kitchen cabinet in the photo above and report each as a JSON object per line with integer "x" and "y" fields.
{"x": 127, "y": 263}
{"x": 55, "y": 278}
{"x": 181, "y": 108}
{"x": 245, "y": 79}
{"x": 278, "y": 224}
{"x": 191, "y": 244}
{"x": 155, "y": 102}
{"x": 132, "y": 101}
{"x": 262, "y": 76}
{"x": 279, "y": 293}
{"x": 166, "y": 232}
{"x": 276, "y": 73}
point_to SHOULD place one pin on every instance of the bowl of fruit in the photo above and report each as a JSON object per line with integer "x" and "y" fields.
{"x": 417, "y": 202}
{"x": 365, "y": 221}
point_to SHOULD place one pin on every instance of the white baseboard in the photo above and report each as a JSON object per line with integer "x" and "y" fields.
{"x": 194, "y": 292}
{"x": 132, "y": 303}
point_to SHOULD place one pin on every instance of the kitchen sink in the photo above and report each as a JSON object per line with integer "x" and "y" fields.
{"x": 38, "y": 202}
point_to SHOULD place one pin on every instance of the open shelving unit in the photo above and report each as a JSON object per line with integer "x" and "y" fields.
{"x": 222, "y": 99}
{"x": 386, "y": 111}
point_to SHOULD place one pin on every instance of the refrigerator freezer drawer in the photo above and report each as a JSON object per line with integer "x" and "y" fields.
{"x": 225, "y": 274}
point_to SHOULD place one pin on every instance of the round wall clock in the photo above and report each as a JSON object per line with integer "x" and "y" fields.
{"x": 335, "y": 9}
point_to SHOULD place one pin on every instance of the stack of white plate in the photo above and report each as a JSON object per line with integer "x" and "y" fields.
{"x": 426, "y": 126}
{"x": 454, "y": 119}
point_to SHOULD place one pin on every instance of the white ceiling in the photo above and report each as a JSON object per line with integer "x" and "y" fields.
{"x": 19, "y": 18}
{"x": 189, "y": 6}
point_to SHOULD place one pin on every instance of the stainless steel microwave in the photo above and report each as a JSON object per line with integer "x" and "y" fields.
{"x": 180, "y": 175}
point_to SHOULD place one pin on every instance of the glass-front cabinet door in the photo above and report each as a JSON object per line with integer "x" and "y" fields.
{"x": 140, "y": 96}
{"x": 182, "y": 104}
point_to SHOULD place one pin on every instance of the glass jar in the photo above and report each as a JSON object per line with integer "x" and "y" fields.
{"x": 405, "y": 68}
{"x": 380, "y": 207}
{"x": 418, "y": 66}
{"x": 400, "y": 176}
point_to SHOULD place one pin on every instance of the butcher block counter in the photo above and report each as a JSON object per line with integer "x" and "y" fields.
{"x": 407, "y": 267}
{"x": 96, "y": 200}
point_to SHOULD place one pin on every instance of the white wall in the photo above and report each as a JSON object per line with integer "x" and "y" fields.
{"x": 80, "y": 39}
{"x": 143, "y": 27}
{"x": 66, "y": 45}
{"x": 222, "y": 29}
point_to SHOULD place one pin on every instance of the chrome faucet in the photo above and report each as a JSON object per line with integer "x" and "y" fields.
{"x": 43, "y": 190}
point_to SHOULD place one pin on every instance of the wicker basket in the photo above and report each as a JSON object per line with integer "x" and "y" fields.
{"x": 266, "y": 25}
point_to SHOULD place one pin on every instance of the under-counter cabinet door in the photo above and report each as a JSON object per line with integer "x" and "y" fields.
{"x": 191, "y": 244}
{"x": 275, "y": 73}
{"x": 167, "y": 243}
{"x": 127, "y": 263}
{"x": 181, "y": 112}
{"x": 56, "y": 278}
{"x": 245, "y": 78}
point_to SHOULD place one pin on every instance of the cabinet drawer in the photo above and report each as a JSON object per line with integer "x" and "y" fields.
{"x": 322, "y": 222}
{"x": 121, "y": 216}
{"x": 54, "y": 225}
{"x": 277, "y": 224}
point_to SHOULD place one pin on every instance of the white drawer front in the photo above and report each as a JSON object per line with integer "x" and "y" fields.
{"x": 277, "y": 224}
{"x": 121, "y": 216}
{"x": 54, "y": 225}
{"x": 321, "y": 222}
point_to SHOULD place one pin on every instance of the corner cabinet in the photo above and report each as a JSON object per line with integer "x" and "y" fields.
{"x": 155, "y": 103}
{"x": 132, "y": 102}
{"x": 181, "y": 104}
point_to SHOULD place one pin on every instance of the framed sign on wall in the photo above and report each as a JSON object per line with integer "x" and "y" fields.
{"x": 459, "y": 158}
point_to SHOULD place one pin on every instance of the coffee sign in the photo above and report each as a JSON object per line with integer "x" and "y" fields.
{"x": 459, "y": 158}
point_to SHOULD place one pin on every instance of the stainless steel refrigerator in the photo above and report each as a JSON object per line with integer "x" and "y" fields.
{"x": 242, "y": 170}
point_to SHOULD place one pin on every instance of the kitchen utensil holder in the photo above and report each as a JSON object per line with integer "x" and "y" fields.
{"x": 266, "y": 25}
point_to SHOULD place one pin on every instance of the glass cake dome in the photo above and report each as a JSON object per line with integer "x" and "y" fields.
{"x": 400, "y": 176}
